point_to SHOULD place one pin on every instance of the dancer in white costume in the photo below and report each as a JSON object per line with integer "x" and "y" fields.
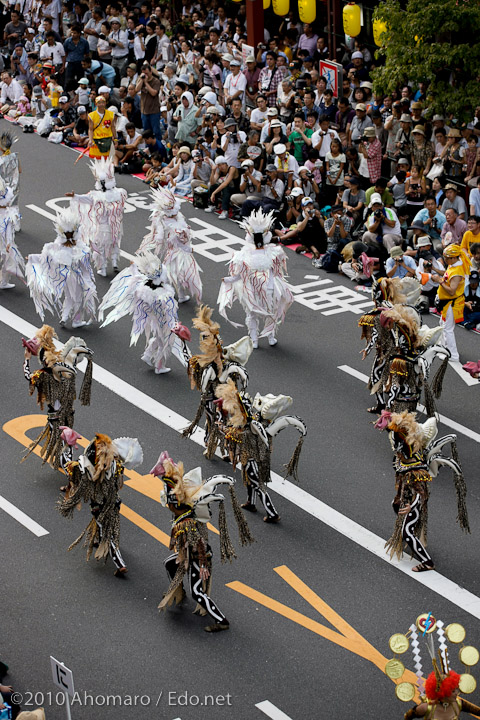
{"x": 169, "y": 239}
{"x": 60, "y": 278}
{"x": 142, "y": 291}
{"x": 10, "y": 170}
{"x": 257, "y": 280}
{"x": 11, "y": 260}
{"x": 101, "y": 211}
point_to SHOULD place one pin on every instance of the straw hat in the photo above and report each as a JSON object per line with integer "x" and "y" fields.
{"x": 185, "y": 149}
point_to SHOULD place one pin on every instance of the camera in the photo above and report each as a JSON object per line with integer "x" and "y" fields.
{"x": 102, "y": 36}
{"x": 289, "y": 198}
{"x": 260, "y": 46}
{"x": 197, "y": 159}
{"x": 300, "y": 85}
{"x": 234, "y": 137}
{"x": 378, "y": 214}
{"x": 264, "y": 181}
{"x": 428, "y": 265}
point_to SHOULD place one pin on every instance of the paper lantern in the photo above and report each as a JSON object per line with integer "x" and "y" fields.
{"x": 379, "y": 27}
{"x": 351, "y": 20}
{"x": 307, "y": 10}
{"x": 266, "y": 4}
{"x": 281, "y": 7}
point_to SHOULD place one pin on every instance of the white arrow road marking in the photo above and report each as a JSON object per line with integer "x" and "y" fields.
{"x": 272, "y": 711}
{"x": 445, "y": 420}
{"x": 308, "y": 503}
{"x": 22, "y": 518}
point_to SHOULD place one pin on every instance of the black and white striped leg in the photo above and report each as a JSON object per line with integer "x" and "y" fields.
{"x": 408, "y": 533}
{"x": 375, "y": 377}
{"x": 201, "y": 597}
{"x": 113, "y": 549}
{"x": 251, "y": 470}
{"x": 171, "y": 565}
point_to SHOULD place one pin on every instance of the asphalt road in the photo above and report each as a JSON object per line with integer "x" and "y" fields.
{"x": 312, "y": 603}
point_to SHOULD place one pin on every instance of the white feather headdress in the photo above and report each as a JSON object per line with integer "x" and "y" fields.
{"x": 165, "y": 201}
{"x": 150, "y": 266}
{"x": 258, "y": 223}
{"x": 66, "y": 221}
{"x": 104, "y": 173}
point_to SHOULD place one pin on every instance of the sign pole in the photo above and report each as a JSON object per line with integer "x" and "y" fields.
{"x": 67, "y": 705}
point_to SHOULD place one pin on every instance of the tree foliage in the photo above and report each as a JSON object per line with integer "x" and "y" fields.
{"x": 435, "y": 42}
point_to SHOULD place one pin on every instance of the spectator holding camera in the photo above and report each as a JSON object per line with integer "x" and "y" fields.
{"x": 203, "y": 169}
{"x": 383, "y": 226}
{"x": 272, "y": 193}
{"x": 334, "y": 163}
{"x": 308, "y": 230}
{"x": 322, "y": 138}
{"x": 286, "y": 165}
{"x": 358, "y": 125}
{"x": 306, "y": 182}
{"x": 148, "y": 86}
{"x": 250, "y": 184}
{"x": 270, "y": 78}
{"x": 231, "y": 141}
{"x": 252, "y": 149}
{"x": 353, "y": 199}
{"x": 432, "y": 219}
{"x": 400, "y": 265}
{"x": 223, "y": 183}
{"x": 371, "y": 149}
{"x": 429, "y": 263}
{"x": 337, "y": 229}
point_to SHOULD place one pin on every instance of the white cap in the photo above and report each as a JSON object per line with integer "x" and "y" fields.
{"x": 227, "y": 57}
{"x": 220, "y": 160}
{"x": 204, "y": 90}
{"x": 279, "y": 149}
{"x": 63, "y": 99}
{"x": 235, "y": 62}
{"x": 307, "y": 201}
{"x": 357, "y": 55}
{"x": 247, "y": 163}
{"x": 113, "y": 109}
{"x": 376, "y": 199}
{"x": 210, "y": 97}
{"x": 296, "y": 192}
{"x": 302, "y": 168}
{"x": 163, "y": 108}
{"x": 272, "y": 112}
{"x": 103, "y": 89}
{"x": 83, "y": 81}
{"x": 30, "y": 30}
{"x": 81, "y": 109}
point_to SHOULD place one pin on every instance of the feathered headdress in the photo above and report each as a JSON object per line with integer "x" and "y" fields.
{"x": 104, "y": 174}
{"x": 165, "y": 201}
{"x": 416, "y": 434}
{"x": 210, "y": 345}
{"x": 150, "y": 266}
{"x": 231, "y": 403}
{"x": 257, "y": 227}
{"x": 47, "y": 352}
{"x": 129, "y": 451}
{"x": 405, "y": 319}
{"x": 7, "y": 139}
{"x": 67, "y": 221}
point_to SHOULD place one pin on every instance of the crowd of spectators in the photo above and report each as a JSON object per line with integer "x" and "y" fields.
{"x": 355, "y": 176}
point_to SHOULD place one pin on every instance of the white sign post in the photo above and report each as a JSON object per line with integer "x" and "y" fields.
{"x": 63, "y": 678}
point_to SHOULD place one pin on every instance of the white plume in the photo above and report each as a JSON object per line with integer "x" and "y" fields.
{"x": 165, "y": 201}
{"x": 103, "y": 172}
{"x": 66, "y": 221}
{"x": 258, "y": 222}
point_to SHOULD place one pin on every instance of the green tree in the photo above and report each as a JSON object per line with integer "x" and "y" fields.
{"x": 434, "y": 42}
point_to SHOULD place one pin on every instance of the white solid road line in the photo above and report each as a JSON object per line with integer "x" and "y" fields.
{"x": 22, "y": 518}
{"x": 453, "y": 424}
{"x": 308, "y": 503}
{"x": 272, "y": 711}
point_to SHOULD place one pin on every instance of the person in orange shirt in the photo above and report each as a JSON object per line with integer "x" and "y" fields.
{"x": 450, "y": 300}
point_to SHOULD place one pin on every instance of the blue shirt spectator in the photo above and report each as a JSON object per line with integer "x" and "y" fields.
{"x": 400, "y": 263}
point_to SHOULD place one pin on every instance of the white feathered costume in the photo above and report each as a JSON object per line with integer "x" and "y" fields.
{"x": 169, "y": 239}
{"x": 10, "y": 170}
{"x": 257, "y": 280}
{"x": 142, "y": 291}
{"x": 101, "y": 211}
{"x": 61, "y": 279}
{"x": 11, "y": 259}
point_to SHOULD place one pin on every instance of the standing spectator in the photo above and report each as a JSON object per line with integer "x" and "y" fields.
{"x": 163, "y": 50}
{"x": 252, "y": 74}
{"x": 422, "y": 150}
{"x": 452, "y": 155}
{"x": 235, "y": 84}
{"x": 322, "y": 138}
{"x": 118, "y": 41}
{"x": 54, "y": 51}
{"x": 353, "y": 199}
{"x": 187, "y": 121}
{"x": 358, "y": 125}
{"x": 76, "y": 49}
{"x": 335, "y": 163}
{"x": 93, "y": 28}
{"x": 307, "y": 40}
{"x": 231, "y": 141}
{"x": 270, "y": 78}
{"x": 14, "y": 30}
{"x": 403, "y": 140}
{"x": 415, "y": 190}
{"x": 258, "y": 116}
{"x": 52, "y": 9}
{"x": 474, "y": 199}
{"x": 372, "y": 151}
{"x": 453, "y": 200}
{"x": 149, "y": 87}
{"x": 300, "y": 139}
{"x": 343, "y": 118}
{"x": 285, "y": 100}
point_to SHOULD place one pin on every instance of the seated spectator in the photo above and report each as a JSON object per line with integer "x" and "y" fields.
{"x": 475, "y": 259}
{"x": 472, "y": 234}
{"x": 124, "y": 151}
{"x": 383, "y": 227}
{"x": 224, "y": 184}
{"x": 253, "y": 150}
{"x": 380, "y": 188}
{"x": 286, "y": 165}
{"x": 453, "y": 200}
{"x": 10, "y": 92}
{"x": 415, "y": 190}
{"x": 66, "y": 118}
{"x": 397, "y": 186}
{"x": 272, "y": 116}
{"x": 337, "y": 229}
{"x": 353, "y": 199}
{"x": 322, "y": 138}
{"x": 358, "y": 125}
{"x": 258, "y": 116}
{"x": 292, "y": 209}
{"x": 180, "y": 184}
{"x": 438, "y": 191}
{"x": 203, "y": 169}
{"x": 471, "y": 313}
{"x": 250, "y": 187}
{"x": 474, "y": 199}
{"x": 231, "y": 141}
{"x": 154, "y": 176}
{"x": 306, "y": 181}
{"x": 275, "y": 137}
{"x": 271, "y": 199}
{"x": 9, "y": 697}
{"x": 428, "y": 262}
{"x": 453, "y": 225}
{"x": 431, "y": 219}
{"x": 358, "y": 262}
{"x": 400, "y": 265}
{"x": 79, "y": 134}
{"x": 308, "y": 231}
{"x": 300, "y": 139}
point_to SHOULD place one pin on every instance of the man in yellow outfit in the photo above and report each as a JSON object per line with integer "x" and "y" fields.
{"x": 101, "y": 129}
{"x": 450, "y": 300}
